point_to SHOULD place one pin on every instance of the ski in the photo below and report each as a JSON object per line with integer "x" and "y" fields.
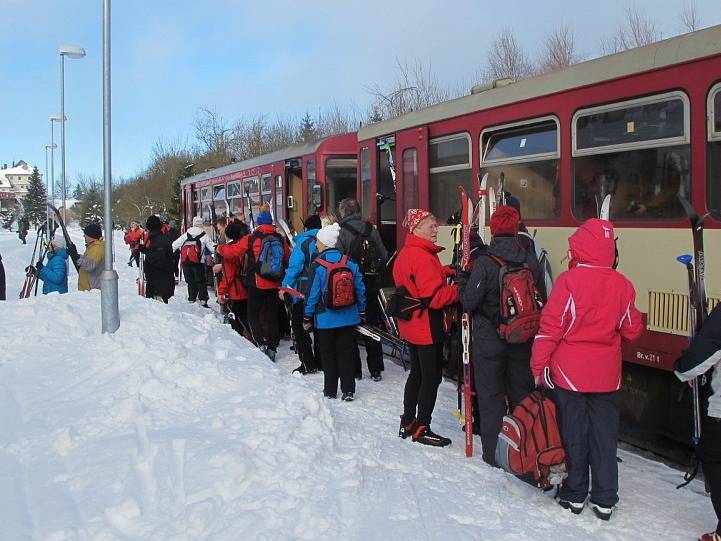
{"x": 251, "y": 220}
{"x": 381, "y": 336}
{"x": 482, "y": 200}
{"x": 286, "y": 231}
{"x": 463, "y": 265}
{"x": 30, "y": 269}
{"x": 391, "y": 165}
{"x": 44, "y": 253}
{"x": 214, "y": 238}
{"x": 605, "y": 211}
{"x": 68, "y": 240}
{"x": 492, "y": 202}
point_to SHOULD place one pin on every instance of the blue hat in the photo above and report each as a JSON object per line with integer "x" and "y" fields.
{"x": 264, "y": 218}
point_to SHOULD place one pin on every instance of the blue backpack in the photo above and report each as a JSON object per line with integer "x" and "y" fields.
{"x": 270, "y": 259}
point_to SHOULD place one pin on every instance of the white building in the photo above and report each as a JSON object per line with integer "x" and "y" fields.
{"x": 14, "y": 182}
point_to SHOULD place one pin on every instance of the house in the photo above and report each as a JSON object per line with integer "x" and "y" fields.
{"x": 14, "y": 183}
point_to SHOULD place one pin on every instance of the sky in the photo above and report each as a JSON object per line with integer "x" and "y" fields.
{"x": 242, "y": 59}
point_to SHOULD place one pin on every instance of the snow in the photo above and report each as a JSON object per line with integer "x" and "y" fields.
{"x": 174, "y": 428}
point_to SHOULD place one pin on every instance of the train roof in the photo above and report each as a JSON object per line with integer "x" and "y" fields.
{"x": 283, "y": 154}
{"x": 676, "y": 50}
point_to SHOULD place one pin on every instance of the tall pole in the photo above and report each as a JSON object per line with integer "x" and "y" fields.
{"x": 52, "y": 159}
{"x": 47, "y": 195}
{"x": 62, "y": 129}
{"x": 109, "y": 278}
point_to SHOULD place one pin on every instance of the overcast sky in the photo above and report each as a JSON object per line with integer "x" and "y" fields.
{"x": 278, "y": 57}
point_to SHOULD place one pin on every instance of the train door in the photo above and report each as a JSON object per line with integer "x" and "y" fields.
{"x": 411, "y": 174}
{"x": 340, "y": 180}
{"x": 294, "y": 198}
{"x": 386, "y": 196}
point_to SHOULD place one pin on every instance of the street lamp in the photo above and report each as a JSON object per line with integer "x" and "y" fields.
{"x": 53, "y": 118}
{"x": 75, "y": 52}
{"x": 47, "y": 183}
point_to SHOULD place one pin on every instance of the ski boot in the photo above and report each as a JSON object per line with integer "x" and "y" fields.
{"x": 347, "y": 397}
{"x": 711, "y": 536}
{"x": 424, "y": 435}
{"x": 407, "y": 427}
{"x": 604, "y": 513}
{"x": 376, "y": 376}
{"x": 575, "y": 508}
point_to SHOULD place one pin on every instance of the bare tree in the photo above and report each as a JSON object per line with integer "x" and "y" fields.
{"x": 337, "y": 120}
{"x": 690, "y": 18}
{"x": 506, "y": 59}
{"x": 638, "y": 30}
{"x": 559, "y": 50}
{"x": 211, "y": 131}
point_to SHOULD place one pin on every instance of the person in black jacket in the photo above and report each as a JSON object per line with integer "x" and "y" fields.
{"x": 501, "y": 370}
{"x": 703, "y": 360}
{"x": 172, "y": 234}
{"x": 2, "y": 279}
{"x": 158, "y": 262}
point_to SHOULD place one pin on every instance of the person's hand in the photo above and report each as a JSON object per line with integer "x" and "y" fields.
{"x": 307, "y": 324}
{"x": 281, "y": 295}
{"x": 537, "y": 380}
{"x": 217, "y": 268}
{"x": 30, "y": 270}
{"x": 39, "y": 266}
{"x": 73, "y": 252}
{"x": 448, "y": 270}
{"x": 142, "y": 248}
{"x": 209, "y": 260}
{"x": 462, "y": 278}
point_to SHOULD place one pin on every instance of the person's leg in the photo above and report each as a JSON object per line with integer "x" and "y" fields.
{"x": 489, "y": 374}
{"x": 202, "y": 279}
{"x": 430, "y": 360}
{"x": 603, "y": 420}
{"x": 326, "y": 339}
{"x": 270, "y": 313}
{"x": 519, "y": 380}
{"x": 255, "y": 305}
{"x": 374, "y": 349}
{"x": 572, "y": 410}
{"x": 710, "y": 455}
{"x": 190, "y": 279}
{"x": 303, "y": 345}
{"x": 344, "y": 339}
{"x": 413, "y": 385}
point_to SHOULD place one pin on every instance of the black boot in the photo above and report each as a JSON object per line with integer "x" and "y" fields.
{"x": 407, "y": 427}
{"x": 424, "y": 435}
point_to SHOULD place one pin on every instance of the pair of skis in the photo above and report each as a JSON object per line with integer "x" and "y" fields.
{"x": 68, "y": 241}
{"x": 698, "y": 305}
{"x": 30, "y": 273}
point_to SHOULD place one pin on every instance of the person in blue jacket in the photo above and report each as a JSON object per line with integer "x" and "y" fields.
{"x": 55, "y": 273}
{"x": 296, "y": 277}
{"x": 335, "y": 326}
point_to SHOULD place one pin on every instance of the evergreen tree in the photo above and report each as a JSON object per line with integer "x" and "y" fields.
{"x": 77, "y": 192}
{"x": 7, "y": 217}
{"x": 35, "y": 201}
{"x": 91, "y": 207}
{"x": 307, "y": 132}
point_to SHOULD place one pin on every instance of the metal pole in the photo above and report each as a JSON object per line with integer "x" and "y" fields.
{"x": 47, "y": 195}
{"x": 62, "y": 129}
{"x": 52, "y": 158}
{"x": 109, "y": 278}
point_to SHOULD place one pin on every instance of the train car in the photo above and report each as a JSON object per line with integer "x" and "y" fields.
{"x": 643, "y": 125}
{"x": 295, "y": 182}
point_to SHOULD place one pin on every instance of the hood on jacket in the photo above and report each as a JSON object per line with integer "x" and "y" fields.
{"x": 414, "y": 240}
{"x": 593, "y": 244}
{"x": 507, "y": 248}
{"x": 59, "y": 252}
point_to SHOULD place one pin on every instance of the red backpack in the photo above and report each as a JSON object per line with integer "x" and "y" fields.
{"x": 191, "y": 250}
{"x": 530, "y": 442}
{"x": 340, "y": 284}
{"x": 520, "y": 303}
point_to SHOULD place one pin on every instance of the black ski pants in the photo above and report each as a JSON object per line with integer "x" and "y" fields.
{"x": 419, "y": 395}
{"x": 307, "y": 351}
{"x": 710, "y": 454}
{"x": 374, "y": 349}
{"x": 134, "y": 258}
{"x": 197, "y": 283}
{"x": 239, "y": 321}
{"x": 263, "y": 316}
{"x": 335, "y": 348}
{"x": 589, "y": 430}
{"x": 502, "y": 375}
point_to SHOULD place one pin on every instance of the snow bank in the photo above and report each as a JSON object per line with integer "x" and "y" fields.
{"x": 175, "y": 428}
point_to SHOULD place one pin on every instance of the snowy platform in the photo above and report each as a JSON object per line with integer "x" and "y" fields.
{"x": 175, "y": 428}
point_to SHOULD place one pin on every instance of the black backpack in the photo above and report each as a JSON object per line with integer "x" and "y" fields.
{"x": 305, "y": 278}
{"x": 364, "y": 252}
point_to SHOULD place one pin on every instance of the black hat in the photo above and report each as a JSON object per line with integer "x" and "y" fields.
{"x": 93, "y": 231}
{"x": 313, "y": 222}
{"x": 234, "y": 230}
{"x": 512, "y": 201}
{"x": 153, "y": 223}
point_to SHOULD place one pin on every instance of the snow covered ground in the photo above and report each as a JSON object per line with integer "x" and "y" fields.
{"x": 175, "y": 428}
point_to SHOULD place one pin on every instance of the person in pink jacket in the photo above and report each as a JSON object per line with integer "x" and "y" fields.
{"x": 577, "y": 352}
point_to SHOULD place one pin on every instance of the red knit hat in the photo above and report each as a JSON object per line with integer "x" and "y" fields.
{"x": 414, "y": 217}
{"x": 505, "y": 221}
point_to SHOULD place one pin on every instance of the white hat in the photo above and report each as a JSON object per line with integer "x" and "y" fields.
{"x": 329, "y": 235}
{"x": 58, "y": 241}
{"x": 198, "y": 221}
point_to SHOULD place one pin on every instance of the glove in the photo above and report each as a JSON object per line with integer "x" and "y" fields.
{"x": 39, "y": 266}
{"x": 30, "y": 270}
{"x": 143, "y": 248}
{"x": 73, "y": 252}
{"x": 307, "y": 324}
{"x": 462, "y": 278}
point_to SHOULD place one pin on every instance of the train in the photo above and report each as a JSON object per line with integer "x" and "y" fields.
{"x": 643, "y": 125}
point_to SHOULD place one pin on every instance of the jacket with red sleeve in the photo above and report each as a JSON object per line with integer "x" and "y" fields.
{"x": 230, "y": 283}
{"x": 590, "y": 310}
{"x": 419, "y": 270}
{"x": 255, "y": 240}
{"x": 132, "y": 238}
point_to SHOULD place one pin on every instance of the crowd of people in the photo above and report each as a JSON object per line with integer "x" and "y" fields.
{"x": 326, "y": 281}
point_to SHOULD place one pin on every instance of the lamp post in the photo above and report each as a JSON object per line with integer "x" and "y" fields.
{"x": 109, "y": 278}
{"x": 75, "y": 52}
{"x": 53, "y": 146}
{"x": 47, "y": 183}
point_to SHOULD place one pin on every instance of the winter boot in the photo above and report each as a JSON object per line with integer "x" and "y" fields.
{"x": 301, "y": 370}
{"x": 575, "y": 508}
{"x": 329, "y": 395}
{"x": 347, "y": 397}
{"x": 271, "y": 353}
{"x": 604, "y": 513}
{"x": 407, "y": 427}
{"x": 711, "y": 536}
{"x": 376, "y": 376}
{"x": 424, "y": 435}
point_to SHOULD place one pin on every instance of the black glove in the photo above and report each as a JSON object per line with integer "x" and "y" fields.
{"x": 143, "y": 248}
{"x": 39, "y": 266}
{"x": 307, "y": 324}
{"x": 462, "y": 278}
{"x": 30, "y": 270}
{"x": 73, "y": 252}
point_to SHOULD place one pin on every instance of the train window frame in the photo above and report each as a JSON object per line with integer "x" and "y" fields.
{"x": 712, "y": 134}
{"x": 365, "y": 167}
{"x": 217, "y": 189}
{"x": 444, "y": 139}
{"x": 206, "y": 190}
{"x": 234, "y": 184}
{"x": 526, "y": 158}
{"x": 639, "y": 145}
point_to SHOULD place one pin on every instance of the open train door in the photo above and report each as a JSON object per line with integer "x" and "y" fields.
{"x": 386, "y": 197}
{"x": 411, "y": 152}
{"x": 294, "y": 195}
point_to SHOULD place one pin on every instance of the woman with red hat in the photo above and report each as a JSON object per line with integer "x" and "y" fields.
{"x": 501, "y": 370}
{"x": 419, "y": 270}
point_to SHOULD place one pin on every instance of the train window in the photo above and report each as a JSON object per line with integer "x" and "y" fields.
{"x": 524, "y": 158}
{"x": 410, "y": 179}
{"x": 233, "y": 189}
{"x": 219, "y": 192}
{"x": 386, "y": 189}
{"x": 205, "y": 194}
{"x": 340, "y": 179}
{"x": 234, "y": 200}
{"x": 250, "y": 190}
{"x": 641, "y": 123}
{"x": 713, "y": 152}
{"x": 266, "y": 183}
{"x": 366, "y": 202}
{"x": 450, "y": 166}
{"x": 196, "y": 196}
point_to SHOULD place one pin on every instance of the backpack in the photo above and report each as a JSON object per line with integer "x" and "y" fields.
{"x": 270, "y": 259}
{"x": 520, "y": 303}
{"x": 339, "y": 284}
{"x": 530, "y": 442}
{"x": 304, "y": 278}
{"x": 191, "y": 253}
{"x": 364, "y": 252}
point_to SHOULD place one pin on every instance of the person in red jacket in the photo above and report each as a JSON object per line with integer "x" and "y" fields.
{"x": 419, "y": 270}
{"x": 132, "y": 238}
{"x": 263, "y": 292}
{"x": 577, "y": 352}
{"x": 231, "y": 290}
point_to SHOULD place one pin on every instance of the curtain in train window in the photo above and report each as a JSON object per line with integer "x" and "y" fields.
{"x": 366, "y": 201}
{"x": 410, "y": 179}
{"x": 638, "y": 152}
{"x": 524, "y": 160}
{"x": 450, "y": 166}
